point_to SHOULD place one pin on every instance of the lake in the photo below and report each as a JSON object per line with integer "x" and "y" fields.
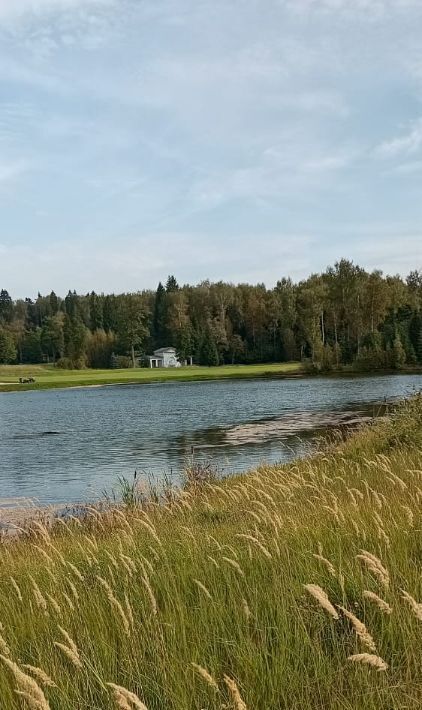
{"x": 70, "y": 445}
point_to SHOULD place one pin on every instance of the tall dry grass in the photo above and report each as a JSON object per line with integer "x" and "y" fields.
{"x": 292, "y": 587}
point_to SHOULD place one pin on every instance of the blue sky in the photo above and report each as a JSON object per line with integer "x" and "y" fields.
{"x": 226, "y": 139}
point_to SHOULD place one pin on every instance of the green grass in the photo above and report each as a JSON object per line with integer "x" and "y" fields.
{"x": 216, "y": 577}
{"x": 48, "y": 377}
{"x": 251, "y": 543}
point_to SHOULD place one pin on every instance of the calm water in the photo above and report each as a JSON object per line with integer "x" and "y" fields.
{"x": 70, "y": 445}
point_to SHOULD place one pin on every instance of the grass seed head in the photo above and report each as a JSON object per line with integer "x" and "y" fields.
{"x": 71, "y": 650}
{"x": 326, "y": 563}
{"x": 131, "y": 698}
{"x": 258, "y": 544}
{"x": 370, "y": 660}
{"x": 40, "y": 675}
{"x": 151, "y": 595}
{"x": 322, "y": 599}
{"x": 205, "y": 675}
{"x": 76, "y": 571}
{"x": 246, "y": 610}
{"x": 380, "y": 603}
{"x": 27, "y": 687}
{"x": 360, "y": 629}
{"x": 121, "y": 701}
{"x": 375, "y": 566}
{"x": 4, "y": 648}
{"x": 16, "y": 588}
{"x": 39, "y": 598}
{"x": 203, "y": 588}
{"x": 235, "y": 565}
{"x": 69, "y": 653}
{"x": 237, "y": 700}
{"x": 415, "y": 606}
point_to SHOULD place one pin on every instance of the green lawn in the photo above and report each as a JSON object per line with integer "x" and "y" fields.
{"x": 47, "y": 376}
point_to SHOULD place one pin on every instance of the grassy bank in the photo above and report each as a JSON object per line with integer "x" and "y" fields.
{"x": 49, "y": 377}
{"x": 201, "y": 603}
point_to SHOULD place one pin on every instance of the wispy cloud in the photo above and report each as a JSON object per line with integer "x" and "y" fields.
{"x": 18, "y": 8}
{"x": 11, "y": 171}
{"x": 408, "y": 143}
{"x": 408, "y": 168}
{"x": 144, "y": 261}
{"x": 141, "y": 262}
{"x": 370, "y": 9}
{"x": 177, "y": 128}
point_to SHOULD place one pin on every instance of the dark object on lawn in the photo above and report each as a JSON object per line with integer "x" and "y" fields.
{"x": 26, "y": 380}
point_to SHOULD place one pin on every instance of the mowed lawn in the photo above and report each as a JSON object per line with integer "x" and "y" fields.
{"x": 47, "y": 376}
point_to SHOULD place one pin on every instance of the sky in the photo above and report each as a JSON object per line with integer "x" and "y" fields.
{"x": 242, "y": 140}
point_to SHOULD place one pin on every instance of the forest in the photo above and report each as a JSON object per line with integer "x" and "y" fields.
{"x": 344, "y": 316}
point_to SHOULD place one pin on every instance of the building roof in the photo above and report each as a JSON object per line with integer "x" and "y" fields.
{"x": 161, "y": 351}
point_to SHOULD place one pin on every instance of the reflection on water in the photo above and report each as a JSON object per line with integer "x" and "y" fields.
{"x": 290, "y": 424}
{"x": 68, "y": 445}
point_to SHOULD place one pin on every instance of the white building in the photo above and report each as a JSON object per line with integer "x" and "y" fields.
{"x": 164, "y": 357}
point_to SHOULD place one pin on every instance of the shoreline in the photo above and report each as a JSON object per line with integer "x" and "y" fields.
{"x": 254, "y": 579}
{"x": 16, "y": 513}
{"x": 286, "y": 371}
{"x": 50, "y": 378}
{"x": 15, "y": 520}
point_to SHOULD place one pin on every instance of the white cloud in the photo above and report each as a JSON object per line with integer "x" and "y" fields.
{"x": 370, "y": 9}
{"x": 200, "y": 119}
{"x": 279, "y": 173}
{"x": 394, "y": 252}
{"x": 408, "y": 168}
{"x": 407, "y": 144}
{"x": 10, "y": 171}
{"x": 140, "y": 263}
{"x": 10, "y": 9}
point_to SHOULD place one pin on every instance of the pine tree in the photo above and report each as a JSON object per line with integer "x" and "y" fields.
{"x": 52, "y": 338}
{"x": 171, "y": 285}
{"x": 132, "y": 329}
{"x": 75, "y": 335}
{"x": 160, "y": 316}
{"x": 54, "y": 303}
{"x": 31, "y": 350}
{"x": 7, "y": 347}
{"x": 398, "y": 355}
{"x": 95, "y": 312}
{"x": 419, "y": 346}
{"x": 184, "y": 343}
{"x": 209, "y": 352}
{"x": 6, "y": 306}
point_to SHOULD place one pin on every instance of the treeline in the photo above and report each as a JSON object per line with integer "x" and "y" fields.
{"x": 343, "y": 316}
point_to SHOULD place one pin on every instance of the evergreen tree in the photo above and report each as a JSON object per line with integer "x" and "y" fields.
{"x": 209, "y": 352}
{"x": 31, "y": 350}
{"x": 419, "y": 347}
{"x": 54, "y": 303}
{"x": 171, "y": 285}
{"x": 236, "y": 347}
{"x": 184, "y": 343}
{"x": 159, "y": 330}
{"x": 96, "y": 320}
{"x": 99, "y": 349}
{"x": 75, "y": 336}
{"x": 132, "y": 328}
{"x": 110, "y": 313}
{"x": 7, "y": 347}
{"x": 52, "y": 337}
{"x": 398, "y": 353}
{"x": 6, "y": 307}
{"x": 344, "y": 315}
